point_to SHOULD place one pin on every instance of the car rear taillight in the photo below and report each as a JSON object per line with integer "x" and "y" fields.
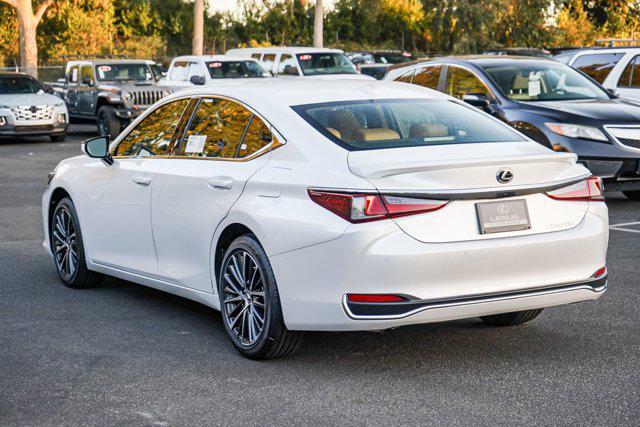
{"x": 588, "y": 190}
{"x": 601, "y": 272}
{"x": 370, "y": 207}
{"x": 375, "y": 298}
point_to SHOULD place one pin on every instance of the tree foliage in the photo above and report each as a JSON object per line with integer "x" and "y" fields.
{"x": 163, "y": 28}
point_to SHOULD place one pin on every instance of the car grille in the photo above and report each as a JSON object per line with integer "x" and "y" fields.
{"x": 28, "y": 129}
{"x": 625, "y": 135}
{"x": 32, "y": 112}
{"x": 147, "y": 97}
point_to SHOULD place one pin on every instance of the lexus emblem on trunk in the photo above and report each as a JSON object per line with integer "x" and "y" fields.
{"x": 504, "y": 176}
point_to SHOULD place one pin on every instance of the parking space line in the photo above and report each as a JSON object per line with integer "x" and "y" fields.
{"x": 624, "y": 229}
{"x": 622, "y": 224}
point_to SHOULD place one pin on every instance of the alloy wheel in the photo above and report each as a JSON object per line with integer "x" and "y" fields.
{"x": 243, "y": 298}
{"x": 65, "y": 244}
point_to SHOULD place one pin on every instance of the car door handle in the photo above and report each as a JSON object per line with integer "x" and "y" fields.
{"x": 220, "y": 183}
{"x": 142, "y": 180}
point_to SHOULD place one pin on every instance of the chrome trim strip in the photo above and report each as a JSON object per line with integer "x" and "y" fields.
{"x": 466, "y": 194}
{"x": 481, "y": 300}
{"x": 617, "y": 141}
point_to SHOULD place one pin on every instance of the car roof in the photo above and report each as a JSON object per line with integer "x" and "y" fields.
{"x": 604, "y": 49}
{"x": 286, "y": 49}
{"x": 109, "y": 61}
{"x": 219, "y": 58}
{"x": 480, "y": 60}
{"x": 14, "y": 74}
{"x": 300, "y": 91}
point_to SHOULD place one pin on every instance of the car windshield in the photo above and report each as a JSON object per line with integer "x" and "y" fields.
{"x": 314, "y": 64}
{"x": 11, "y": 85}
{"x": 235, "y": 69}
{"x": 110, "y": 72}
{"x": 376, "y": 124}
{"x": 542, "y": 81}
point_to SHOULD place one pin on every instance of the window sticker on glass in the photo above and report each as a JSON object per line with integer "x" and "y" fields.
{"x": 215, "y": 64}
{"x": 195, "y": 144}
{"x": 104, "y": 68}
{"x": 534, "y": 87}
{"x": 305, "y": 57}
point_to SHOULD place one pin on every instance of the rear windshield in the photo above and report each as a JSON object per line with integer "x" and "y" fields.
{"x": 315, "y": 64}
{"x": 376, "y": 124}
{"x": 235, "y": 69}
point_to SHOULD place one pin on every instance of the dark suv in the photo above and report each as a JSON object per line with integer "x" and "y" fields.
{"x": 549, "y": 102}
{"x": 113, "y": 91}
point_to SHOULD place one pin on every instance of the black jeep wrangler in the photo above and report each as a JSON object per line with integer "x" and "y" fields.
{"x": 113, "y": 91}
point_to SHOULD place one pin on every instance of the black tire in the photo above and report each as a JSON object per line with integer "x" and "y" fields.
{"x": 80, "y": 277}
{"x": 107, "y": 121}
{"x": 58, "y": 138}
{"x": 511, "y": 319}
{"x": 274, "y": 339}
{"x": 632, "y": 195}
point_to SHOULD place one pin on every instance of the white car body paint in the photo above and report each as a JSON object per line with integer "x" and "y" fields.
{"x": 318, "y": 257}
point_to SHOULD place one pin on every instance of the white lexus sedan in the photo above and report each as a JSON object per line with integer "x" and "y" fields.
{"x": 329, "y": 206}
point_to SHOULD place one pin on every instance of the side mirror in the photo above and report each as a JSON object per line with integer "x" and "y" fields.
{"x": 477, "y": 100}
{"x": 614, "y": 92}
{"x": 87, "y": 81}
{"x": 98, "y": 148}
{"x": 197, "y": 80}
{"x": 50, "y": 90}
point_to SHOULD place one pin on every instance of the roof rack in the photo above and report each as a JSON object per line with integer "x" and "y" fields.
{"x": 96, "y": 56}
{"x": 620, "y": 42}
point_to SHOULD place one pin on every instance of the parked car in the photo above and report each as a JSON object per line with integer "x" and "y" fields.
{"x": 377, "y": 71}
{"x": 549, "y": 102}
{"x": 308, "y": 62}
{"x": 382, "y": 56}
{"x": 519, "y": 51}
{"x": 617, "y": 69}
{"x": 360, "y": 58}
{"x": 329, "y": 205}
{"x": 190, "y": 70}
{"x": 27, "y": 109}
{"x": 111, "y": 91}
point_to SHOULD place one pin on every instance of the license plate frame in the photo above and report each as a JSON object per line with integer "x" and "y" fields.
{"x": 503, "y": 216}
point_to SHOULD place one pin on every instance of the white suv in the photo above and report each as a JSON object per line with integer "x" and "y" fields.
{"x": 614, "y": 68}
{"x": 26, "y": 109}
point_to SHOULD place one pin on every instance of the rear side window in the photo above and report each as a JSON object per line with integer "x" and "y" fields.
{"x": 376, "y": 124}
{"x": 597, "y": 66}
{"x": 216, "y": 129}
{"x": 152, "y": 136}
{"x": 287, "y": 65}
{"x": 256, "y": 138}
{"x": 428, "y": 77}
{"x": 631, "y": 75}
{"x": 406, "y": 77}
{"x": 461, "y": 82}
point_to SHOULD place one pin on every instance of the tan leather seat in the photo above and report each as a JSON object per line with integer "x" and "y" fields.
{"x": 379, "y": 134}
{"x": 520, "y": 87}
{"x": 334, "y": 132}
{"x": 347, "y": 125}
{"x": 428, "y": 130}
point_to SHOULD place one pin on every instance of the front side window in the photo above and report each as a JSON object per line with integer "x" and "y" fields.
{"x": 86, "y": 73}
{"x": 152, "y": 136}
{"x": 597, "y": 66}
{"x": 123, "y": 72}
{"x": 428, "y": 77}
{"x": 216, "y": 129}
{"x": 314, "y": 64}
{"x": 235, "y": 69}
{"x": 14, "y": 85}
{"x": 631, "y": 75}
{"x": 287, "y": 65}
{"x": 179, "y": 71}
{"x": 461, "y": 82}
{"x": 195, "y": 69}
{"x": 378, "y": 124}
{"x": 542, "y": 81}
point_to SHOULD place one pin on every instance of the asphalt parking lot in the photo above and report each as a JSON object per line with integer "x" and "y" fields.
{"x": 123, "y": 354}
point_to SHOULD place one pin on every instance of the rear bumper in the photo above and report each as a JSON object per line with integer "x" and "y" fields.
{"x": 359, "y": 310}
{"x": 452, "y": 280}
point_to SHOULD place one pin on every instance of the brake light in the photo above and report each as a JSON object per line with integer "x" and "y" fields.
{"x": 588, "y": 190}
{"x": 370, "y": 207}
{"x": 601, "y": 272}
{"x": 375, "y": 298}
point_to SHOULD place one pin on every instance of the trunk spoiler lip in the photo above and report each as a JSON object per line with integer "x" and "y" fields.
{"x": 469, "y": 193}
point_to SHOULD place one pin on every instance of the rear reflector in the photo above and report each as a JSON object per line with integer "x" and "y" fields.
{"x": 601, "y": 272}
{"x": 584, "y": 191}
{"x": 370, "y": 207}
{"x": 375, "y": 298}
